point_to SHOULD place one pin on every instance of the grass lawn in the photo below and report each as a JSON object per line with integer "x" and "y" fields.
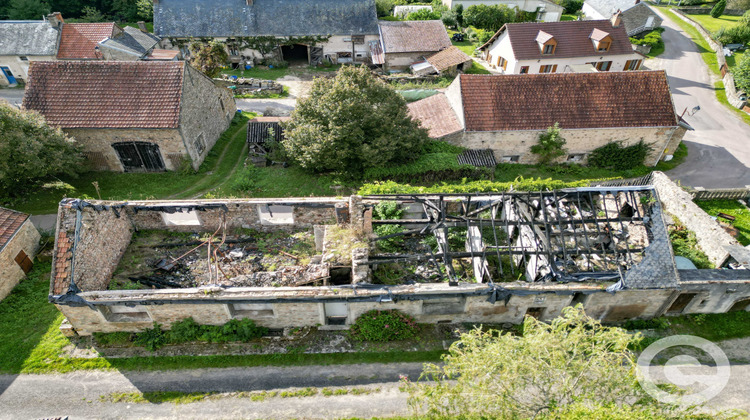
{"x": 712, "y": 327}
{"x": 732, "y": 208}
{"x": 263, "y": 72}
{"x": 713, "y": 24}
{"x": 564, "y": 18}
{"x": 735, "y": 58}
{"x": 149, "y": 26}
{"x": 220, "y": 162}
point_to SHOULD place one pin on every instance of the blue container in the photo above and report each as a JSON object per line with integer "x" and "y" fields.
{"x": 248, "y": 67}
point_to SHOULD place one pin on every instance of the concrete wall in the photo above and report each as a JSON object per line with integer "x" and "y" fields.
{"x": 115, "y": 54}
{"x": 19, "y": 68}
{"x": 26, "y": 240}
{"x": 401, "y": 61}
{"x": 579, "y": 141}
{"x": 205, "y": 112}
{"x": 97, "y": 144}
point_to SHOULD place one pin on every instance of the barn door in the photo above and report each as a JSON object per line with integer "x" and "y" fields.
{"x": 138, "y": 156}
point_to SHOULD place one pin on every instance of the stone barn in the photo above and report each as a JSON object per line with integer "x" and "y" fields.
{"x": 19, "y": 241}
{"x": 132, "y": 116}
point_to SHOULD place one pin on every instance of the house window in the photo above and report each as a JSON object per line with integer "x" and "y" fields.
{"x": 23, "y": 58}
{"x": 503, "y": 63}
{"x": 444, "y": 306}
{"x": 275, "y": 215}
{"x": 251, "y": 310}
{"x": 603, "y": 46}
{"x": 336, "y": 313}
{"x": 123, "y": 313}
{"x": 679, "y": 304}
{"x": 188, "y": 218}
{"x": 549, "y": 49}
{"x": 576, "y": 157}
{"x": 510, "y": 159}
{"x": 524, "y": 69}
{"x": 548, "y": 68}
{"x": 603, "y": 65}
{"x": 24, "y": 262}
{"x": 200, "y": 144}
{"x": 632, "y": 65}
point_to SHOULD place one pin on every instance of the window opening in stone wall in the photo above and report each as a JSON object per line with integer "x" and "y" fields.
{"x": 123, "y": 313}
{"x": 336, "y": 313}
{"x": 200, "y": 144}
{"x": 740, "y": 305}
{"x": 275, "y": 215}
{"x": 576, "y": 157}
{"x": 535, "y": 312}
{"x": 679, "y": 304}
{"x": 251, "y": 310}
{"x": 510, "y": 159}
{"x": 444, "y": 306}
{"x": 189, "y": 218}
{"x": 578, "y": 298}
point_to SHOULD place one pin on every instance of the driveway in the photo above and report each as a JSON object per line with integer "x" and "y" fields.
{"x": 719, "y": 155}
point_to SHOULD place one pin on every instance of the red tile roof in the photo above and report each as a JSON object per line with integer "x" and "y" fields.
{"x": 413, "y": 36}
{"x": 157, "y": 54}
{"x": 10, "y": 222}
{"x": 78, "y": 40}
{"x": 436, "y": 115}
{"x": 63, "y": 258}
{"x": 449, "y": 57}
{"x": 574, "y": 100}
{"x": 106, "y": 94}
{"x": 573, "y": 39}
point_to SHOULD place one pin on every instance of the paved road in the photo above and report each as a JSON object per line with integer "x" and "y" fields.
{"x": 270, "y": 107}
{"x": 14, "y": 96}
{"x": 719, "y": 152}
{"x": 78, "y": 394}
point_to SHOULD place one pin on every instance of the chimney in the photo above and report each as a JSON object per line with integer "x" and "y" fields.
{"x": 249, "y": 2}
{"x": 616, "y": 19}
{"x": 637, "y": 1}
{"x": 55, "y": 19}
{"x": 142, "y": 26}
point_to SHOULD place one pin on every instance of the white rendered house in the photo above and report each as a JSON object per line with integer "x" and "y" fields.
{"x": 546, "y": 10}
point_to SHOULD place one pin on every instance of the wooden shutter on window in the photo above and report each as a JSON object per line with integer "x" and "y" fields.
{"x": 554, "y": 68}
{"x": 24, "y": 262}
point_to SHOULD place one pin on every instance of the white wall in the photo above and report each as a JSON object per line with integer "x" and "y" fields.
{"x": 20, "y": 69}
{"x": 553, "y": 10}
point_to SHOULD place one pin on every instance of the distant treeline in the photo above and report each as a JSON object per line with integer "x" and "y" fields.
{"x": 90, "y": 10}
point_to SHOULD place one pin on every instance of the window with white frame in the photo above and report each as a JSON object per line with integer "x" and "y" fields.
{"x": 251, "y": 310}
{"x": 125, "y": 313}
{"x": 185, "y": 218}
{"x": 275, "y": 215}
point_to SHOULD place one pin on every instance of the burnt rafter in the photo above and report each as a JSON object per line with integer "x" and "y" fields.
{"x": 564, "y": 235}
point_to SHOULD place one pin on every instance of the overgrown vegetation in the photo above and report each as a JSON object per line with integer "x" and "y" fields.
{"x": 208, "y": 57}
{"x": 652, "y": 39}
{"x": 551, "y": 145}
{"x": 618, "y": 157}
{"x": 685, "y": 244}
{"x": 388, "y": 210}
{"x": 389, "y": 325}
{"x": 732, "y": 208}
{"x": 521, "y": 184}
{"x": 742, "y": 74}
{"x": 713, "y": 327}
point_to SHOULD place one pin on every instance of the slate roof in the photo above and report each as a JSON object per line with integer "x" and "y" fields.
{"x": 106, "y": 94}
{"x": 413, "y": 36}
{"x": 449, "y": 57}
{"x": 78, "y": 40}
{"x": 436, "y": 115}
{"x": 257, "y": 129}
{"x": 573, "y": 39}
{"x": 10, "y": 222}
{"x": 607, "y": 8}
{"x": 574, "y": 100}
{"x": 28, "y": 38}
{"x": 636, "y": 17}
{"x": 218, "y": 18}
{"x": 133, "y": 41}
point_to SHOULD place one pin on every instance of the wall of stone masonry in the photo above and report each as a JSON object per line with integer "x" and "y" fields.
{"x": 102, "y": 241}
{"x": 97, "y": 145}
{"x": 205, "y": 112}
{"x": 26, "y": 240}
{"x": 711, "y": 236}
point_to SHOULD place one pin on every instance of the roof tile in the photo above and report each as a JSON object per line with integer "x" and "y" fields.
{"x": 413, "y": 36}
{"x": 436, "y": 115}
{"x": 449, "y": 57}
{"x": 10, "y": 222}
{"x": 78, "y": 40}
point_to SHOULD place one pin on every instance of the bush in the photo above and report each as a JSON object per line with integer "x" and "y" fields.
{"x": 615, "y": 156}
{"x": 742, "y": 74}
{"x": 685, "y": 244}
{"x": 430, "y": 167}
{"x": 736, "y": 34}
{"x": 487, "y": 17}
{"x": 388, "y": 210}
{"x": 520, "y": 184}
{"x": 152, "y": 338}
{"x": 246, "y": 180}
{"x": 572, "y": 6}
{"x": 449, "y": 18}
{"x": 188, "y": 330}
{"x": 423, "y": 14}
{"x": 377, "y": 325}
{"x": 718, "y": 9}
{"x": 550, "y": 146}
{"x": 652, "y": 39}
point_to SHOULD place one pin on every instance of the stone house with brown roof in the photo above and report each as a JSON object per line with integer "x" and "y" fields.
{"x": 132, "y": 116}
{"x": 403, "y": 43}
{"x": 508, "y": 113}
{"x": 19, "y": 242}
{"x": 25, "y": 41}
{"x": 561, "y": 47}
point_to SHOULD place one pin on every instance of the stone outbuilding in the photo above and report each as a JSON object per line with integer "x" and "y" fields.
{"x": 636, "y": 16}
{"x": 403, "y": 43}
{"x": 508, "y": 113}
{"x": 19, "y": 242}
{"x": 25, "y": 41}
{"x": 132, "y": 116}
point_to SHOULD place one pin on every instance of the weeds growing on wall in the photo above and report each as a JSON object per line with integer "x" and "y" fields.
{"x": 388, "y": 210}
{"x": 685, "y": 244}
{"x": 377, "y": 325}
{"x": 615, "y": 156}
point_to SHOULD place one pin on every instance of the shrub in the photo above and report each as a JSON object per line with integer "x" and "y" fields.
{"x": 736, "y": 34}
{"x": 685, "y": 244}
{"x": 550, "y": 145}
{"x": 423, "y": 14}
{"x": 520, "y": 184}
{"x": 718, "y": 9}
{"x": 745, "y": 20}
{"x": 377, "y": 325}
{"x": 188, "y": 330}
{"x": 246, "y": 180}
{"x": 151, "y": 338}
{"x": 449, "y": 18}
{"x": 487, "y": 17}
{"x": 429, "y": 167}
{"x": 615, "y": 156}
{"x": 387, "y": 210}
{"x": 391, "y": 245}
{"x": 742, "y": 74}
{"x": 652, "y": 39}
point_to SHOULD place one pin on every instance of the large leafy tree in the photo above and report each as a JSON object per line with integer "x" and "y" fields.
{"x": 571, "y": 368}
{"x": 208, "y": 57}
{"x": 145, "y": 9}
{"x": 352, "y": 122}
{"x": 742, "y": 74}
{"x": 27, "y": 9}
{"x": 32, "y": 151}
{"x": 487, "y": 17}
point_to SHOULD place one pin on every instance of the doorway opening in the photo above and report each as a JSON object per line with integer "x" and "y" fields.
{"x": 295, "y": 54}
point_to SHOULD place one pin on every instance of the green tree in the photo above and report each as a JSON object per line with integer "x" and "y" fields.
{"x": 449, "y": 18}
{"x": 742, "y": 74}
{"x": 352, "y": 122}
{"x": 550, "y": 146}
{"x": 145, "y": 9}
{"x": 209, "y": 57}
{"x": 572, "y": 365}
{"x": 92, "y": 14}
{"x": 718, "y": 9}
{"x": 31, "y": 151}
{"x": 423, "y": 14}
{"x": 125, "y": 10}
{"x": 459, "y": 11}
{"x": 27, "y": 9}
{"x": 487, "y": 17}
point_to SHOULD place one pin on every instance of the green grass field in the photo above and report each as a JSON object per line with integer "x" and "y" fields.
{"x": 732, "y": 208}
{"x": 714, "y": 24}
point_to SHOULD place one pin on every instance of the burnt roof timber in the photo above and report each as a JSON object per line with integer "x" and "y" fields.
{"x": 461, "y": 220}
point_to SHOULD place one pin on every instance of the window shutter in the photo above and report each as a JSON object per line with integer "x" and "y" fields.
{"x": 554, "y": 68}
{"x": 24, "y": 262}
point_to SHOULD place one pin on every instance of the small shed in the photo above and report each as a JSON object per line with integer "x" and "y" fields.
{"x": 450, "y": 60}
{"x": 259, "y": 131}
{"x": 19, "y": 242}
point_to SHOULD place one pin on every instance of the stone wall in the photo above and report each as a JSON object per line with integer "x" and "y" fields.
{"x": 205, "y": 112}
{"x": 97, "y": 145}
{"x": 114, "y": 54}
{"x": 679, "y": 203}
{"x": 26, "y": 240}
{"x": 707, "y": 11}
{"x": 402, "y": 61}
{"x": 578, "y": 141}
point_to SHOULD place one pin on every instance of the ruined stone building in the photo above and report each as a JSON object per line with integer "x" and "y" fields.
{"x": 307, "y": 31}
{"x": 481, "y": 258}
{"x": 19, "y": 242}
{"x": 506, "y": 114}
{"x": 132, "y": 116}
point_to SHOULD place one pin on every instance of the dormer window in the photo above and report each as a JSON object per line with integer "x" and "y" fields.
{"x": 547, "y": 43}
{"x": 602, "y": 40}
